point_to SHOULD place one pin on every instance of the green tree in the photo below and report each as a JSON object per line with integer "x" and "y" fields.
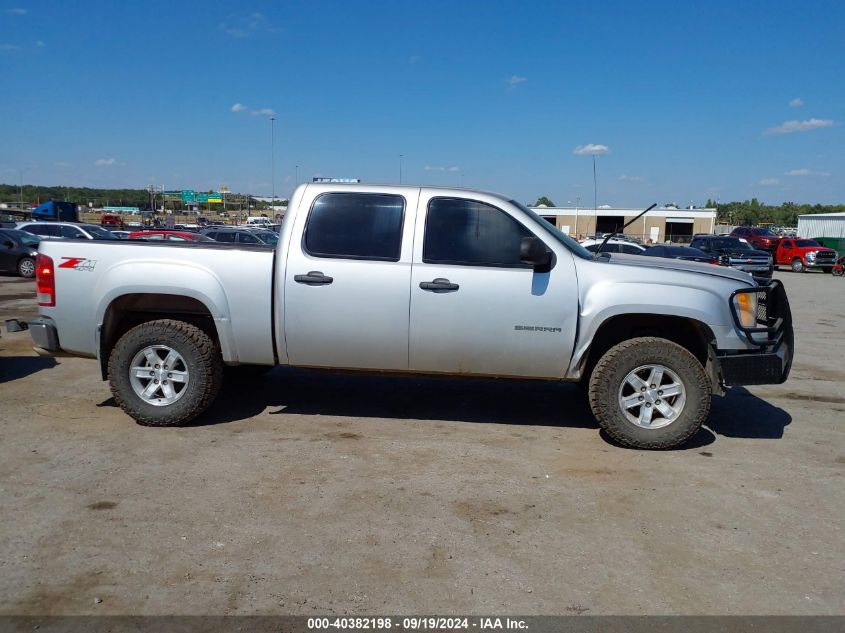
{"x": 543, "y": 201}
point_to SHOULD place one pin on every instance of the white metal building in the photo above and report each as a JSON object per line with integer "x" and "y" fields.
{"x": 659, "y": 224}
{"x": 821, "y": 225}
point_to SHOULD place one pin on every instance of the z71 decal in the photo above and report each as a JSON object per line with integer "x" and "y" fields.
{"x": 78, "y": 263}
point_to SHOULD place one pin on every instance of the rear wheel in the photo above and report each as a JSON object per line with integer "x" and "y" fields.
{"x": 798, "y": 266}
{"x": 165, "y": 372}
{"x": 838, "y": 271}
{"x": 649, "y": 393}
{"x": 26, "y": 267}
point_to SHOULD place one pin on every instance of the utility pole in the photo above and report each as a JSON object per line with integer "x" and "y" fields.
{"x": 400, "y": 168}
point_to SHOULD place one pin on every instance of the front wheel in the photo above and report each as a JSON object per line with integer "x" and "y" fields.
{"x": 649, "y": 393}
{"x": 838, "y": 271}
{"x": 26, "y": 267}
{"x": 165, "y": 372}
{"x": 797, "y": 266}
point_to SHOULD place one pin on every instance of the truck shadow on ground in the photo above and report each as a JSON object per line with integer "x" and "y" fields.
{"x": 473, "y": 400}
{"x": 17, "y": 367}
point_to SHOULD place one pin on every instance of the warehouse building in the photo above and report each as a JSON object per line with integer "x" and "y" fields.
{"x": 814, "y": 225}
{"x": 658, "y": 225}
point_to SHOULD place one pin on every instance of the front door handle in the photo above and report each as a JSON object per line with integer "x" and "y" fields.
{"x": 313, "y": 278}
{"x": 439, "y": 285}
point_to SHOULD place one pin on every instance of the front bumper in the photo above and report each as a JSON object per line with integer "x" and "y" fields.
{"x": 773, "y": 338}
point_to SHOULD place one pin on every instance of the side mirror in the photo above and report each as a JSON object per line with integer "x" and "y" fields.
{"x": 533, "y": 251}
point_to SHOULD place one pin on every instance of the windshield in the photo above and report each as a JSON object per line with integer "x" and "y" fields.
{"x": 559, "y": 235}
{"x": 765, "y": 232}
{"x": 806, "y": 243}
{"x": 99, "y": 233}
{"x": 735, "y": 244}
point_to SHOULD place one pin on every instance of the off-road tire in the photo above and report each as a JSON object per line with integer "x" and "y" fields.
{"x": 202, "y": 357}
{"x": 615, "y": 365}
{"x": 827, "y": 269}
{"x": 26, "y": 267}
{"x": 797, "y": 266}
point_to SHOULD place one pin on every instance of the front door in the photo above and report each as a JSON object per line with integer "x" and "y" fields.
{"x": 475, "y": 308}
{"x": 347, "y": 278}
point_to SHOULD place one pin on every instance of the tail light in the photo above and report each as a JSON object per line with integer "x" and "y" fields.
{"x": 45, "y": 281}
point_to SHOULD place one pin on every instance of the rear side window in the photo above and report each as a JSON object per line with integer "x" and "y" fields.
{"x": 225, "y": 236}
{"x": 470, "y": 233}
{"x": 50, "y": 230}
{"x": 630, "y": 250}
{"x": 246, "y": 238}
{"x": 355, "y": 226}
{"x": 71, "y": 232}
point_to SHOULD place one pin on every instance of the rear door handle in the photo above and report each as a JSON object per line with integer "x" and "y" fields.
{"x": 439, "y": 285}
{"x": 313, "y": 278}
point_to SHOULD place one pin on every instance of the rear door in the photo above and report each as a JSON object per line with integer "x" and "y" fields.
{"x": 347, "y": 277}
{"x": 475, "y": 308}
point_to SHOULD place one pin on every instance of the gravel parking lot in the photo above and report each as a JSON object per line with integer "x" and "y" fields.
{"x": 304, "y": 493}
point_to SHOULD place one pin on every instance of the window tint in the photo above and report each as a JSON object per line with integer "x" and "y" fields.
{"x": 656, "y": 251}
{"x": 43, "y": 229}
{"x": 631, "y": 249}
{"x": 471, "y": 233}
{"x": 71, "y": 232}
{"x": 355, "y": 226}
{"x": 176, "y": 238}
{"x": 154, "y": 236}
{"x": 225, "y": 236}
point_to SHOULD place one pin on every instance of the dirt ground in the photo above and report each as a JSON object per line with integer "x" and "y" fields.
{"x": 304, "y": 493}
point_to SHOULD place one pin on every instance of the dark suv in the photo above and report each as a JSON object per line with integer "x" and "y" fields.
{"x": 17, "y": 251}
{"x": 736, "y": 253}
{"x": 759, "y": 238}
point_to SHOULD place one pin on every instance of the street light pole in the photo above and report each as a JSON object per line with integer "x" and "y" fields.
{"x": 400, "y": 168}
{"x": 20, "y": 174}
{"x": 273, "y": 160}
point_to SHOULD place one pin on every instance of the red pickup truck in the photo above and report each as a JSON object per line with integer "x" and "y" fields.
{"x": 800, "y": 255}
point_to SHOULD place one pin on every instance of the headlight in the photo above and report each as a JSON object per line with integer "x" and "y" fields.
{"x": 811, "y": 255}
{"x": 745, "y": 306}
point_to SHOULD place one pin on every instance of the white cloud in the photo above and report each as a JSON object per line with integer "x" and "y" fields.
{"x": 801, "y": 173}
{"x": 630, "y": 178}
{"x": 788, "y": 127}
{"x": 263, "y": 112}
{"x": 40, "y": 43}
{"x": 454, "y": 168}
{"x": 414, "y": 59}
{"x": 769, "y": 182}
{"x": 16, "y": 11}
{"x": 247, "y": 25}
{"x": 9, "y": 47}
{"x": 434, "y": 168}
{"x": 105, "y": 161}
{"x": 238, "y": 107}
{"x": 796, "y": 102}
{"x": 591, "y": 148}
{"x": 515, "y": 80}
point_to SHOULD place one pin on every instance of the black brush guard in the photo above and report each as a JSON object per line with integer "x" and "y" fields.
{"x": 772, "y": 335}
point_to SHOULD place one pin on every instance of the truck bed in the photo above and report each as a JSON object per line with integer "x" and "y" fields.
{"x": 235, "y": 283}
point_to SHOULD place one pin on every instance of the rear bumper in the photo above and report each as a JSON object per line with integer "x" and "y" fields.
{"x": 45, "y": 336}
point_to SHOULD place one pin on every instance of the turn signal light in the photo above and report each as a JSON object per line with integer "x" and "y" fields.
{"x": 746, "y": 308}
{"x": 45, "y": 281}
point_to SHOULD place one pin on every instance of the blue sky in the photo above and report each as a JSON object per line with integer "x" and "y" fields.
{"x": 680, "y": 101}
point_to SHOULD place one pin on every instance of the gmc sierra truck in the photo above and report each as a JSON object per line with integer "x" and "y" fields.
{"x": 419, "y": 280}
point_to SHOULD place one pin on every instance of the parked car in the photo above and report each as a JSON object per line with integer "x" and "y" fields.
{"x": 242, "y": 236}
{"x": 169, "y": 236}
{"x": 686, "y": 253}
{"x": 736, "y": 252}
{"x": 762, "y": 239}
{"x": 801, "y": 255}
{"x": 66, "y": 231}
{"x": 18, "y": 250}
{"x": 614, "y": 246}
{"x": 417, "y": 280}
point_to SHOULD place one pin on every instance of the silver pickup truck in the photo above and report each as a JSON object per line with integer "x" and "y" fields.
{"x": 420, "y": 280}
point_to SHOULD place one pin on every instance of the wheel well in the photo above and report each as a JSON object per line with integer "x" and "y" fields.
{"x": 690, "y": 334}
{"x": 130, "y": 310}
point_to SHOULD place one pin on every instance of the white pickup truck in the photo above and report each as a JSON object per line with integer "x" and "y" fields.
{"x": 419, "y": 280}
